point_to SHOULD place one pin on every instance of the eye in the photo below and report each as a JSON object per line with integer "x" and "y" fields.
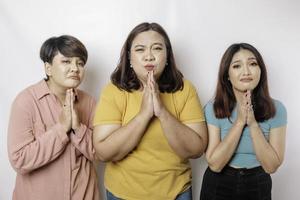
{"x": 66, "y": 61}
{"x": 236, "y": 66}
{"x": 253, "y": 64}
{"x": 158, "y": 48}
{"x": 80, "y": 64}
{"x": 139, "y": 50}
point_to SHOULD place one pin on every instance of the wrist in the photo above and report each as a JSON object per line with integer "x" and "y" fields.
{"x": 254, "y": 125}
{"x": 144, "y": 116}
{"x": 76, "y": 126}
{"x": 65, "y": 128}
{"x": 240, "y": 123}
{"x": 163, "y": 114}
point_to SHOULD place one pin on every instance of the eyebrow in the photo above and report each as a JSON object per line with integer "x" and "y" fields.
{"x": 252, "y": 58}
{"x": 156, "y": 43}
{"x": 139, "y": 45}
{"x": 235, "y": 62}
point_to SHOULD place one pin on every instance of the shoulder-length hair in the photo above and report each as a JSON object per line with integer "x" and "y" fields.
{"x": 124, "y": 77}
{"x": 224, "y": 98}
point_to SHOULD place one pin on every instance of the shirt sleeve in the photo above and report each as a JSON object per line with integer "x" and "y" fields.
{"x": 27, "y": 152}
{"x": 82, "y": 138}
{"x": 210, "y": 114}
{"x": 280, "y": 118}
{"x": 192, "y": 110}
{"x": 110, "y": 107}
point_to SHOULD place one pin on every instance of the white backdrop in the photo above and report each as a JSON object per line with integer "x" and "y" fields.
{"x": 200, "y": 31}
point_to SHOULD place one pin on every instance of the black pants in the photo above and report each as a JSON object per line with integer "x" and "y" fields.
{"x": 236, "y": 184}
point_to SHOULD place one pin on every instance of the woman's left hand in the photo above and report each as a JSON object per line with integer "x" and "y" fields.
{"x": 75, "y": 116}
{"x": 158, "y": 106}
{"x": 250, "y": 113}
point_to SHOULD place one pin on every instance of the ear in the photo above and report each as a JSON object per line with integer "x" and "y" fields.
{"x": 48, "y": 68}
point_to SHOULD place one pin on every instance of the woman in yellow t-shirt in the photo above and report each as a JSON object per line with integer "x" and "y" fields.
{"x": 148, "y": 122}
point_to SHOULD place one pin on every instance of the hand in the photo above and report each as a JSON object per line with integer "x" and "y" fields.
{"x": 242, "y": 110}
{"x": 147, "y": 101}
{"x": 250, "y": 113}
{"x": 65, "y": 117}
{"x": 157, "y": 104}
{"x": 75, "y": 116}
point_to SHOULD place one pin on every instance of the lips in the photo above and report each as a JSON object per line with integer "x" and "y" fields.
{"x": 246, "y": 80}
{"x": 74, "y": 77}
{"x": 149, "y": 67}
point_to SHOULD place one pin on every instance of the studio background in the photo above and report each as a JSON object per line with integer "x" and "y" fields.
{"x": 200, "y": 31}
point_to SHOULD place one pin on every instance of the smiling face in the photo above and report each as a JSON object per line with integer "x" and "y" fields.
{"x": 148, "y": 53}
{"x": 65, "y": 72}
{"x": 244, "y": 71}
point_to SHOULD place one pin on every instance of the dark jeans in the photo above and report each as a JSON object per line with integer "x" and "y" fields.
{"x": 187, "y": 195}
{"x": 236, "y": 184}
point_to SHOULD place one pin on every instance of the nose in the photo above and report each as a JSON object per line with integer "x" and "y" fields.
{"x": 74, "y": 67}
{"x": 149, "y": 56}
{"x": 246, "y": 70}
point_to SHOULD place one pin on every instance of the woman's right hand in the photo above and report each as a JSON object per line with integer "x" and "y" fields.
{"x": 242, "y": 110}
{"x": 147, "y": 109}
{"x": 65, "y": 117}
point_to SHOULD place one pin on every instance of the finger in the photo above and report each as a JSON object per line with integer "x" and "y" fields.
{"x": 69, "y": 97}
{"x": 67, "y": 102}
{"x": 150, "y": 84}
{"x": 148, "y": 77}
{"x": 245, "y": 100}
{"x": 72, "y": 100}
{"x": 151, "y": 75}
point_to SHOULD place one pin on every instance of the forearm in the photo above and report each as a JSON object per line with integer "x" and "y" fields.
{"x": 33, "y": 153}
{"x": 224, "y": 151}
{"x": 82, "y": 140}
{"x": 185, "y": 142}
{"x": 122, "y": 141}
{"x": 265, "y": 153}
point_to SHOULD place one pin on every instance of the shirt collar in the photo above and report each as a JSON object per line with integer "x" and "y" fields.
{"x": 42, "y": 90}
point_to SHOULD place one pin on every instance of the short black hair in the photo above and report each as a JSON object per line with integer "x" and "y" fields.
{"x": 67, "y": 45}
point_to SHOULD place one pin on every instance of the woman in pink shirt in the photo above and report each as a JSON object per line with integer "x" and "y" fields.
{"x": 50, "y": 129}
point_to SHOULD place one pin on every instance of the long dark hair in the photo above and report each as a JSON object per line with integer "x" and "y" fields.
{"x": 124, "y": 77}
{"x": 225, "y": 100}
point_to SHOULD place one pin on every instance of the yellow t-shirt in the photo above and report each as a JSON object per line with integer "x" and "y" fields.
{"x": 152, "y": 170}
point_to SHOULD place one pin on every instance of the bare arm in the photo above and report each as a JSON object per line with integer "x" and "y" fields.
{"x": 219, "y": 152}
{"x": 270, "y": 154}
{"x": 187, "y": 140}
{"x": 114, "y": 142}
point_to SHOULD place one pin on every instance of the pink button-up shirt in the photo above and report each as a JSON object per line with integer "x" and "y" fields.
{"x": 51, "y": 164}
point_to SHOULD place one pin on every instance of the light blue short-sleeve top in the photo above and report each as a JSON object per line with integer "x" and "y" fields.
{"x": 244, "y": 155}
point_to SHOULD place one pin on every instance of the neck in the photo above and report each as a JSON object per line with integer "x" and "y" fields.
{"x": 58, "y": 91}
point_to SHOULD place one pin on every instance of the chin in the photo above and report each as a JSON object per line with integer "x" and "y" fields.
{"x": 73, "y": 85}
{"x": 242, "y": 89}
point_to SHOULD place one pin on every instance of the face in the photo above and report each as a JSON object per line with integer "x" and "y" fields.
{"x": 244, "y": 71}
{"x": 65, "y": 72}
{"x": 148, "y": 53}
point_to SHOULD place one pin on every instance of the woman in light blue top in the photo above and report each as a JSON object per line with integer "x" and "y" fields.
{"x": 246, "y": 128}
